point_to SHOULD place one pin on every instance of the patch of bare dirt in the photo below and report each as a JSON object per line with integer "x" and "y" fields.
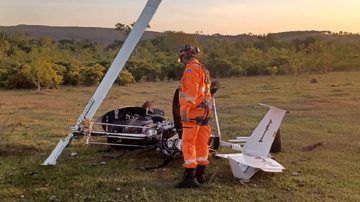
{"x": 312, "y": 147}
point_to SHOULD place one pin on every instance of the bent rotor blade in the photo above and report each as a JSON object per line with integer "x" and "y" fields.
{"x": 51, "y": 160}
{"x": 110, "y": 76}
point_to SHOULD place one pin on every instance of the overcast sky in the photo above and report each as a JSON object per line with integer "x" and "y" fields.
{"x": 209, "y": 16}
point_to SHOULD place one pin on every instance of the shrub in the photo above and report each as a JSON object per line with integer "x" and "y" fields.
{"x": 92, "y": 75}
{"x": 42, "y": 73}
{"x": 125, "y": 77}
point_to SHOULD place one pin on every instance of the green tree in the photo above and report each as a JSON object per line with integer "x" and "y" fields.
{"x": 42, "y": 73}
{"x": 92, "y": 75}
{"x": 297, "y": 64}
{"x": 253, "y": 61}
{"x": 146, "y": 71}
{"x": 126, "y": 28}
{"x": 171, "y": 71}
{"x": 172, "y": 41}
{"x": 220, "y": 67}
{"x": 237, "y": 70}
{"x": 122, "y": 27}
{"x": 13, "y": 76}
{"x": 125, "y": 77}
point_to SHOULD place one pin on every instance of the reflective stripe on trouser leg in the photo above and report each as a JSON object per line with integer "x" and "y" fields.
{"x": 189, "y": 133}
{"x": 201, "y": 145}
{"x": 189, "y": 162}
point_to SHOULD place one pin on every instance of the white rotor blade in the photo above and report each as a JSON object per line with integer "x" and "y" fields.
{"x": 110, "y": 76}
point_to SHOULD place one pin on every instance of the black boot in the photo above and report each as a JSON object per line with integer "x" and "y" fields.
{"x": 189, "y": 179}
{"x": 200, "y": 170}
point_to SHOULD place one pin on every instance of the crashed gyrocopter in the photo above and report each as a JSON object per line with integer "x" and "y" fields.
{"x": 141, "y": 127}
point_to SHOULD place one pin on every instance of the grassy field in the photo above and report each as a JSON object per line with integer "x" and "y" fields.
{"x": 326, "y": 111}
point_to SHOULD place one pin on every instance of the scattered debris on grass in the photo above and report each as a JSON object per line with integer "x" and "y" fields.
{"x": 295, "y": 174}
{"x": 299, "y": 182}
{"x": 52, "y": 198}
{"x": 244, "y": 182}
{"x": 17, "y": 124}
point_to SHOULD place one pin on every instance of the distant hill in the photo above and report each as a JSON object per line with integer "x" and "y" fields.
{"x": 292, "y": 35}
{"x": 108, "y": 35}
{"x": 95, "y": 34}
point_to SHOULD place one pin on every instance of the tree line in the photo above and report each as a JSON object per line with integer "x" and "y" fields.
{"x": 26, "y": 62}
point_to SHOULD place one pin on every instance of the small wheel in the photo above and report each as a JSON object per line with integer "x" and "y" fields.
{"x": 276, "y": 146}
{"x": 176, "y": 113}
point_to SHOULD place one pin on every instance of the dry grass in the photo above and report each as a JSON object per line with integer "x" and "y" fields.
{"x": 326, "y": 112}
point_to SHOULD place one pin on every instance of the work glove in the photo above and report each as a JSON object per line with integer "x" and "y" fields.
{"x": 184, "y": 115}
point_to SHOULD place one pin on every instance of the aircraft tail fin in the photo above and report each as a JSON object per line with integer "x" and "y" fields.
{"x": 260, "y": 141}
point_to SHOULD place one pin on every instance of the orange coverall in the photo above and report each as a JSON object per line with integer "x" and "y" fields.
{"x": 195, "y": 99}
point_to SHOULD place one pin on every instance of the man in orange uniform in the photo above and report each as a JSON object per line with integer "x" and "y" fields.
{"x": 195, "y": 110}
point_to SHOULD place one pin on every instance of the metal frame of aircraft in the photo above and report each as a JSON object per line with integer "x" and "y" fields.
{"x": 254, "y": 149}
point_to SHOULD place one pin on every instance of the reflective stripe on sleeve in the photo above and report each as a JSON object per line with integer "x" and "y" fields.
{"x": 195, "y": 65}
{"x": 182, "y": 94}
{"x": 188, "y": 98}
